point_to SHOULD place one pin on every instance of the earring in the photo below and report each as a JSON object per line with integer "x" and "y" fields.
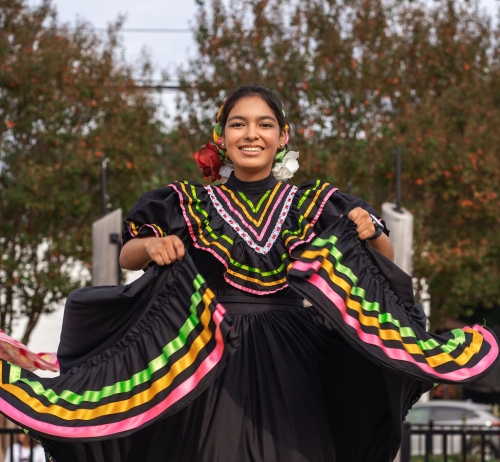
{"x": 282, "y": 145}
{"x": 223, "y": 145}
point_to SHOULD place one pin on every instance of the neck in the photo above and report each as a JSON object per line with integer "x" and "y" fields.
{"x": 251, "y": 187}
{"x": 251, "y": 176}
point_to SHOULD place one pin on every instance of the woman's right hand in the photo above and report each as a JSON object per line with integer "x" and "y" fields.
{"x": 165, "y": 250}
{"x": 138, "y": 252}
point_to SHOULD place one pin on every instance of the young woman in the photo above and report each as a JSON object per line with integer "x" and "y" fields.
{"x": 212, "y": 356}
{"x": 253, "y": 134}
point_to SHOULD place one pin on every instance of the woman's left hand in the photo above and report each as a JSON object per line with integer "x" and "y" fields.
{"x": 366, "y": 229}
{"x": 364, "y": 224}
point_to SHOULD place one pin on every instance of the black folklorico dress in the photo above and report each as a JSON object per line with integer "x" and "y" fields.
{"x": 216, "y": 358}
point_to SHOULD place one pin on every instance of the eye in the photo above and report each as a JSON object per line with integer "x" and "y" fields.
{"x": 267, "y": 125}
{"x": 236, "y": 124}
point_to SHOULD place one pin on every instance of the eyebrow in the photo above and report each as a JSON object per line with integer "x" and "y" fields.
{"x": 259, "y": 118}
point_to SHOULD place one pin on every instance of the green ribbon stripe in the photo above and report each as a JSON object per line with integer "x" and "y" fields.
{"x": 223, "y": 236}
{"x": 257, "y": 270}
{"x": 302, "y": 217}
{"x": 299, "y": 230}
{"x": 305, "y": 196}
{"x": 249, "y": 203}
{"x": 229, "y": 240}
{"x": 206, "y": 221}
{"x": 162, "y": 233}
{"x": 450, "y": 346}
{"x": 137, "y": 379}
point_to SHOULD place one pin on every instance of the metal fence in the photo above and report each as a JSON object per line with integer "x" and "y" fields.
{"x": 10, "y": 435}
{"x": 460, "y": 443}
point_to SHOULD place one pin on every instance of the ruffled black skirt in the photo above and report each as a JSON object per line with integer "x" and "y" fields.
{"x": 292, "y": 391}
{"x": 162, "y": 371}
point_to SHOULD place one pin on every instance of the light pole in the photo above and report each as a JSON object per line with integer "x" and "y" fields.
{"x": 106, "y": 242}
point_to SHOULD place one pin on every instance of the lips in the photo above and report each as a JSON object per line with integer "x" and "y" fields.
{"x": 251, "y": 149}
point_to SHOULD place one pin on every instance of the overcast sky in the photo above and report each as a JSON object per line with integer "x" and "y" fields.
{"x": 167, "y": 50}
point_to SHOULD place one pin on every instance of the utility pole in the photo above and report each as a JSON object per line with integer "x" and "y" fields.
{"x": 106, "y": 242}
{"x": 400, "y": 222}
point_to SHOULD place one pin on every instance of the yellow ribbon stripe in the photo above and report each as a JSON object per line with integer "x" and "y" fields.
{"x": 135, "y": 231}
{"x": 313, "y": 203}
{"x": 306, "y": 215}
{"x": 215, "y": 243}
{"x": 386, "y": 334}
{"x": 243, "y": 208}
{"x": 257, "y": 281}
{"x": 141, "y": 398}
{"x": 200, "y": 233}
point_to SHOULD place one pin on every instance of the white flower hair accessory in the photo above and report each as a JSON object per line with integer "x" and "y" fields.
{"x": 285, "y": 169}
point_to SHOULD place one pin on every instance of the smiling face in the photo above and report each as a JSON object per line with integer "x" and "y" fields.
{"x": 252, "y": 136}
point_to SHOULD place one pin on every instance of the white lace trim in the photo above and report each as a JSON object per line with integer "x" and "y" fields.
{"x": 229, "y": 219}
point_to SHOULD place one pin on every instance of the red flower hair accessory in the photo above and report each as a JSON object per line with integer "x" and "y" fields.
{"x": 209, "y": 161}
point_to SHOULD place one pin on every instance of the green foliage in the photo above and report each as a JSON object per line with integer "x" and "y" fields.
{"x": 66, "y": 100}
{"x": 359, "y": 78}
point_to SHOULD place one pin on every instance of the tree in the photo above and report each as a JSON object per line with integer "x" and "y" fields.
{"x": 360, "y": 78}
{"x": 67, "y": 98}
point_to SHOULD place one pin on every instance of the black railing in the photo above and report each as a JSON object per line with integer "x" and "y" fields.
{"x": 11, "y": 435}
{"x": 462, "y": 442}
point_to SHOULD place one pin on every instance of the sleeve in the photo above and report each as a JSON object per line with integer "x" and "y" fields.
{"x": 156, "y": 213}
{"x": 341, "y": 204}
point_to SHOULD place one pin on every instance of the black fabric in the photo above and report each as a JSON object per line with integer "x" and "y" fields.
{"x": 176, "y": 348}
{"x": 96, "y": 318}
{"x": 345, "y": 278}
{"x": 251, "y": 187}
{"x": 294, "y": 391}
{"x": 397, "y": 280}
{"x": 159, "y": 212}
{"x": 340, "y": 205}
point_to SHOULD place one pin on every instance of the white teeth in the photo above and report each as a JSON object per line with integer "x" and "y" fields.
{"x": 251, "y": 149}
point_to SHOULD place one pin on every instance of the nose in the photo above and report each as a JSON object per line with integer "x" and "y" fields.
{"x": 251, "y": 132}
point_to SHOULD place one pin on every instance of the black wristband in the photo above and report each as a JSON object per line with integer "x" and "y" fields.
{"x": 378, "y": 232}
{"x": 379, "y": 227}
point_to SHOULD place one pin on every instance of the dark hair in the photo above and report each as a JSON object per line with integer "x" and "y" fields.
{"x": 267, "y": 95}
